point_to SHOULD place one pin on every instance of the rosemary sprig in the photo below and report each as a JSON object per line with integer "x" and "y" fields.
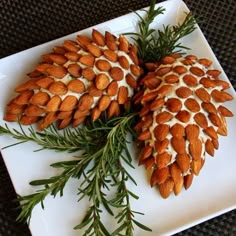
{"x": 154, "y": 44}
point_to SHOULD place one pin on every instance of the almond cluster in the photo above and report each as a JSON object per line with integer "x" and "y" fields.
{"x": 80, "y": 78}
{"x": 181, "y": 118}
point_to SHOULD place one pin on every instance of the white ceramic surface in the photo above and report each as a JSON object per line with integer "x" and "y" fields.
{"x": 211, "y": 194}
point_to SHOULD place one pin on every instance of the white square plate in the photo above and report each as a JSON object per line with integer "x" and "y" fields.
{"x": 211, "y": 194}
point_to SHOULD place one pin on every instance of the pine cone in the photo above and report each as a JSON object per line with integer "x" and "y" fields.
{"x": 80, "y": 78}
{"x": 180, "y": 119}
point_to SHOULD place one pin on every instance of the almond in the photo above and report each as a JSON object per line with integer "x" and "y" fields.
{"x": 72, "y": 56}
{"x": 34, "y": 74}
{"x": 28, "y": 85}
{"x": 210, "y": 131}
{"x": 58, "y": 88}
{"x": 101, "y": 81}
{"x": 69, "y": 103}
{"x": 195, "y": 149}
{"x": 104, "y": 102}
{"x": 98, "y": 38}
{"x": 124, "y": 44}
{"x": 183, "y": 92}
{"x": 114, "y": 109}
{"x": 171, "y": 79}
{"x": 168, "y": 60}
{"x": 103, "y": 65}
{"x": 184, "y": 116}
{"x": 87, "y": 60}
{"x": 166, "y": 188}
{"x": 161, "y": 146}
{"x": 151, "y": 82}
{"x": 178, "y": 144}
{"x": 88, "y": 73}
{"x": 110, "y": 41}
{"x": 151, "y": 66}
{"x": 94, "y": 50}
{"x": 224, "y": 111}
{"x": 221, "y": 96}
{"x": 40, "y": 98}
{"x": 187, "y": 62}
{"x": 112, "y": 88}
{"x": 83, "y": 40}
{"x": 162, "y": 71}
{"x": 80, "y": 114}
{"x": 149, "y": 162}
{"x": 207, "y": 82}
{"x": 192, "y": 105}
{"x": 76, "y": 86}
{"x": 164, "y": 90}
{"x": 147, "y": 121}
{"x": 85, "y": 102}
{"x": 43, "y": 67}
{"x": 95, "y": 113}
{"x": 110, "y": 55}
{"x": 197, "y": 71}
{"x": 209, "y": 107}
{"x": 116, "y": 73}
{"x": 145, "y": 135}
{"x": 223, "y": 84}
{"x": 78, "y": 121}
{"x": 64, "y": 123}
{"x": 64, "y": 115}
{"x": 191, "y": 57}
{"x": 144, "y": 111}
{"x": 57, "y": 58}
{"x": 161, "y": 131}
{"x": 10, "y": 117}
{"x": 94, "y": 92}
{"x": 203, "y": 94}
{"x": 59, "y": 50}
{"x": 122, "y": 96}
{"x": 163, "y": 117}
{"x": 34, "y": 110}
{"x": 180, "y": 69}
{"x": 74, "y": 70}
{"x": 16, "y": 109}
{"x": 201, "y": 120}
{"x": 192, "y": 132}
{"x": 44, "y": 82}
{"x": 157, "y": 104}
{"x": 149, "y": 96}
{"x": 147, "y": 151}
{"x": 28, "y": 120}
{"x": 214, "y": 73}
{"x": 215, "y": 120}
{"x": 177, "y": 177}
{"x": 47, "y": 120}
{"x": 209, "y": 147}
{"x": 190, "y": 80}
{"x": 131, "y": 81}
{"x": 57, "y": 71}
{"x": 177, "y": 130}
{"x": 159, "y": 176}
{"x": 135, "y": 70}
{"x": 53, "y": 104}
{"x": 162, "y": 160}
{"x": 215, "y": 143}
{"x": 133, "y": 56}
{"x": 196, "y": 166}
{"x": 188, "y": 179}
{"x": 124, "y": 62}
{"x": 173, "y": 104}
{"x": 183, "y": 162}
{"x": 70, "y": 46}
{"x": 205, "y": 62}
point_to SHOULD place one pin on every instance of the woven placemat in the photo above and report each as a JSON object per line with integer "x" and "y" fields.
{"x": 26, "y": 23}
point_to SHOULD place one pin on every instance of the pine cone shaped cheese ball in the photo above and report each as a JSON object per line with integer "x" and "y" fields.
{"x": 181, "y": 117}
{"x": 80, "y": 78}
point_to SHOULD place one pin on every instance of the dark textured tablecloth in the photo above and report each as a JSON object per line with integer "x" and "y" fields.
{"x": 26, "y": 23}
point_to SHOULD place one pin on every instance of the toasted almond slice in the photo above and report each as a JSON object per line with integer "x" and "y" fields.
{"x": 28, "y": 85}
{"x": 83, "y": 40}
{"x": 34, "y": 110}
{"x": 44, "y": 82}
{"x": 131, "y": 81}
{"x": 98, "y": 38}
{"x": 94, "y": 50}
{"x": 87, "y": 60}
{"x": 183, "y": 162}
{"x": 166, "y": 188}
{"x": 53, "y": 104}
{"x": 28, "y": 120}
{"x": 74, "y": 70}
{"x": 40, "y": 98}
{"x": 116, "y": 73}
{"x": 101, "y": 81}
{"x": 161, "y": 131}
{"x": 58, "y": 88}
{"x": 76, "y": 86}
{"x": 114, "y": 109}
{"x": 173, "y": 104}
{"x": 103, "y": 65}
{"x": 68, "y": 104}
{"x": 163, "y": 159}
{"x": 85, "y": 102}
{"x": 124, "y": 62}
{"x": 122, "y": 95}
{"x": 159, "y": 176}
{"x": 192, "y": 105}
{"x": 104, "y": 102}
{"x": 110, "y": 55}
{"x": 72, "y": 56}
{"x": 88, "y": 73}
{"x": 71, "y": 46}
